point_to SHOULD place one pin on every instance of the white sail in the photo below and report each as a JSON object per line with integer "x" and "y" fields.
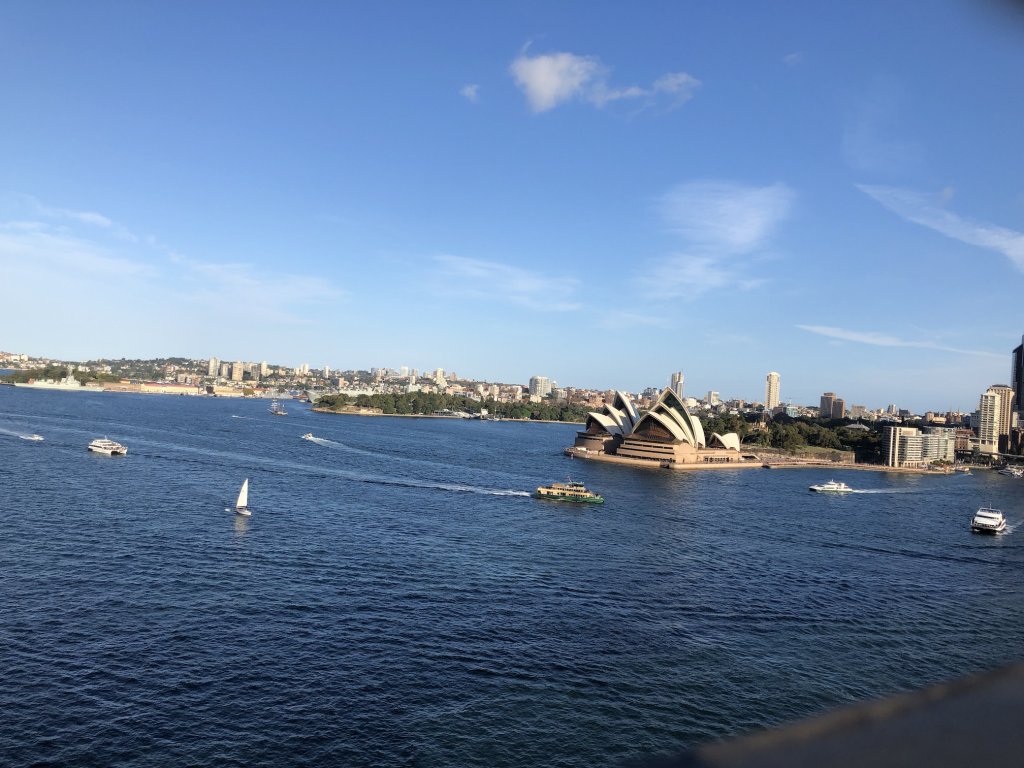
{"x": 243, "y": 496}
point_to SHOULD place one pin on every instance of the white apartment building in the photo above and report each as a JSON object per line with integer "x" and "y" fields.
{"x": 910, "y": 447}
{"x": 771, "y": 390}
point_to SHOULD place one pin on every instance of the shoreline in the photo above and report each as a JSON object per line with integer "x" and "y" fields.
{"x": 755, "y": 464}
{"x": 437, "y": 416}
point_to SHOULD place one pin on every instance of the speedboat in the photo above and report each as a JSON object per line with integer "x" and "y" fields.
{"x": 570, "y": 491}
{"x": 109, "y": 447}
{"x": 34, "y": 438}
{"x": 988, "y": 520}
{"x": 308, "y": 436}
{"x": 831, "y": 487}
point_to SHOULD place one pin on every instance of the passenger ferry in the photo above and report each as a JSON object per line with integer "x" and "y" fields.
{"x": 831, "y": 487}
{"x": 988, "y": 520}
{"x": 570, "y": 491}
{"x": 109, "y": 447}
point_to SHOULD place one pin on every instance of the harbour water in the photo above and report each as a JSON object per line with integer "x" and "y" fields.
{"x": 397, "y": 598}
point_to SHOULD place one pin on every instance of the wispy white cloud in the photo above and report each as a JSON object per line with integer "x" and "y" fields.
{"x": 551, "y": 79}
{"x": 491, "y": 280}
{"x": 876, "y": 339}
{"x": 870, "y": 141}
{"x": 920, "y": 209}
{"x": 726, "y": 228}
{"x": 726, "y": 215}
{"x": 793, "y": 59}
{"x": 66, "y": 252}
{"x": 470, "y": 92}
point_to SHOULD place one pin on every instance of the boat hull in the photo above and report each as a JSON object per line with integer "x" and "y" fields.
{"x": 243, "y": 511}
{"x": 569, "y": 499}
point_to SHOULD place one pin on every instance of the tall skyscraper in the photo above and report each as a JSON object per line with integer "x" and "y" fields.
{"x": 713, "y": 398}
{"x": 825, "y": 409}
{"x": 237, "y": 371}
{"x": 676, "y": 383}
{"x": 989, "y": 418}
{"x": 1017, "y": 379}
{"x": 213, "y": 367}
{"x": 771, "y": 390}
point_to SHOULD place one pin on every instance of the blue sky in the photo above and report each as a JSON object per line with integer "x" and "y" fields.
{"x": 597, "y": 193}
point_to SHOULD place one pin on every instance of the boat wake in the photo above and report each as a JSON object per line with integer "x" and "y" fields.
{"x": 453, "y": 487}
{"x": 885, "y": 490}
{"x": 22, "y": 435}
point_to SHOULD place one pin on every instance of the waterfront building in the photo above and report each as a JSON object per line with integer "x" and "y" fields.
{"x": 237, "y": 371}
{"x": 264, "y": 370}
{"x": 213, "y": 367}
{"x": 988, "y": 421}
{"x": 996, "y": 418}
{"x": 540, "y": 386}
{"x": 667, "y": 434}
{"x": 676, "y": 383}
{"x": 912, "y": 447}
{"x": 225, "y": 370}
{"x": 771, "y": 390}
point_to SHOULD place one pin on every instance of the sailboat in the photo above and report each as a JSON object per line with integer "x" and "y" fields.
{"x": 242, "y": 505}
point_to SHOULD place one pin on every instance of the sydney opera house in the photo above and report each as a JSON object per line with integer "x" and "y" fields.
{"x": 667, "y": 435}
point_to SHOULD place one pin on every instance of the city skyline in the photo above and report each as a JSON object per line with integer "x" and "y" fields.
{"x": 512, "y": 192}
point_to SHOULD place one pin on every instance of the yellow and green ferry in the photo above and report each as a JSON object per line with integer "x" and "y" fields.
{"x": 570, "y": 491}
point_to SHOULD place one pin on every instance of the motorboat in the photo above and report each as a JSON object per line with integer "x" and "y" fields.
{"x": 108, "y": 447}
{"x": 33, "y": 438}
{"x": 569, "y": 491}
{"x": 308, "y": 436}
{"x": 831, "y": 487}
{"x": 988, "y": 520}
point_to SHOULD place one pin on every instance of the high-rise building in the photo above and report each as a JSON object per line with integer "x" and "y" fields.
{"x": 1017, "y": 379}
{"x": 989, "y": 419}
{"x": 825, "y": 409}
{"x": 264, "y": 369}
{"x": 676, "y": 383}
{"x": 540, "y": 386}
{"x": 237, "y": 371}
{"x": 1006, "y": 412}
{"x": 327, "y": 371}
{"x": 225, "y": 370}
{"x": 713, "y": 398}
{"x": 213, "y": 367}
{"x": 771, "y": 390}
{"x": 838, "y": 408}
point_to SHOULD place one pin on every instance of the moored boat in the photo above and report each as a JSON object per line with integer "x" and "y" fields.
{"x": 108, "y": 447}
{"x": 988, "y": 520}
{"x": 831, "y": 487}
{"x": 569, "y": 491}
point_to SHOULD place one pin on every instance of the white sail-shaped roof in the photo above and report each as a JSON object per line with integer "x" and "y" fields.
{"x": 730, "y": 440}
{"x": 605, "y": 421}
{"x": 668, "y": 423}
{"x": 623, "y": 403}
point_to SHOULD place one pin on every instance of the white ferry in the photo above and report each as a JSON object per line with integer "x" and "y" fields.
{"x": 108, "y": 447}
{"x": 831, "y": 487}
{"x": 988, "y": 520}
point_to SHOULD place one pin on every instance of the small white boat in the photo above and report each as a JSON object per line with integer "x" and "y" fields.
{"x": 108, "y": 447}
{"x": 277, "y": 409}
{"x": 34, "y": 438}
{"x": 988, "y": 520}
{"x": 831, "y": 487}
{"x": 242, "y": 505}
{"x": 308, "y": 436}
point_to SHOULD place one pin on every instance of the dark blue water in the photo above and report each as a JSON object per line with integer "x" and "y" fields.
{"x": 395, "y": 599}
